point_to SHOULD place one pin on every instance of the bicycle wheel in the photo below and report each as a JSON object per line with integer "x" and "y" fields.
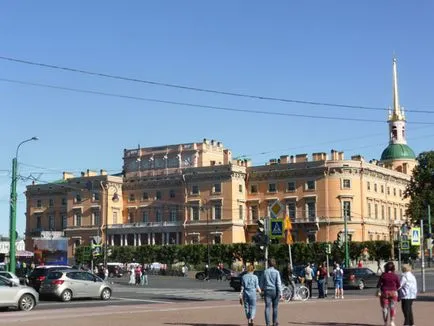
{"x": 286, "y": 293}
{"x": 303, "y": 293}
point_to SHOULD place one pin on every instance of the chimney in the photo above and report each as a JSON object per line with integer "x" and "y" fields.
{"x": 83, "y": 174}
{"x": 67, "y": 175}
{"x": 227, "y": 156}
{"x": 334, "y": 154}
{"x": 284, "y": 159}
{"x": 90, "y": 173}
{"x": 341, "y": 156}
{"x": 292, "y": 159}
{"x": 357, "y": 158}
{"x": 102, "y": 172}
{"x": 299, "y": 158}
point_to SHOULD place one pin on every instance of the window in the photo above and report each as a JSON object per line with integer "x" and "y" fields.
{"x": 39, "y": 203}
{"x": 145, "y": 216}
{"x": 241, "y": 212}
{"x": 96, "y": 219}
{"x": 382, "y": 189}
{"x": 310, "y": 185}
{"x": 400, "y": 192}
{"x": 368, "y": 185}
{"x": 376, "y": 211}
{"x": 195, "y": 239}
{"x": 394, "y": 191}
{"x": 158, "y": 195}
{"x": 64, "y": 221}
{"x": 240, "y": 188}
{"x": 38, "y": 221}
{"x": 382, "y": 212}
{"x": 254, "y": 189}
{"x": 371, "y": 237}
{"x": 50, "y": 202}
{"x": 311, "y": 210}
{"x": 131, "y": 198}
{"x": 292, "y": 210}
{"x": 195, "y": 190}
{"x": 375, "y": 187}
{"x": 130, "y": 217}
{"x": 145, "y": 196}
{"x": 173, "y": 214}
{"x": 388, "y": 190}
{"x": 290, "y": 186}
{"x": 218, "y": 239}
{"x": 51, "y": 222}
{"x": 158, "y": 215}
{"x": 217, "y": 188}
{"x": 346, "y": 184}
{"x": 272, "y": 187}
{"x": 77, "y": 218}
{"x": 389, "y": 213}
{"x": 346, "y": 209}
{"x": 369, "y": 210}
{"x": 77, "y": 199}
{"x": 218, "y": 211}
{"x": 63, "y": 201}
{"x": 172, "y": 193}
{"x": 254, "y": 212}
{"x": 95, "y": 196}
{"x": 401, "y": 213}
{"x": 195, "y": 212}
{"x": 115, "y": 217}
{"x": 395, "y": 213}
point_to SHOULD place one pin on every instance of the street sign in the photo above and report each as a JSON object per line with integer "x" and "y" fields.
{"x": 415, "y": 236}
{"x": 276, "y": 228}
{"x": 275, "y": 209}
{"x": 328, "y": 249}
{"x": 97, "y": 239}
{"x": 405, "y": 245}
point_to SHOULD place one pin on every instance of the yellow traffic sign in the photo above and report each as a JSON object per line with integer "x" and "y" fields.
{"x": 275, "y": 209}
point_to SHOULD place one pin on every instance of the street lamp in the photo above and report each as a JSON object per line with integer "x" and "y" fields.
{"x": 115, "y": 198}
{"x": 13, "y": 209}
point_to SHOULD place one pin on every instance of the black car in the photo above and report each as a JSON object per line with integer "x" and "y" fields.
{"x": 214, "y": 273}
{"x": 39, "y": 274}
{"x": 235, "y": 282}
{"x": 360, "y": 278}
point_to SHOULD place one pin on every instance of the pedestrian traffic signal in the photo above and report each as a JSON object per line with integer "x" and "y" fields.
{"x": 328, "y": 249}
{"x": 341, "y": 238}
{"x": 261, "y": 237}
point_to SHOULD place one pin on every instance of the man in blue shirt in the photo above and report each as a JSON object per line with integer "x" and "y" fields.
{"x": 272, "y": 287}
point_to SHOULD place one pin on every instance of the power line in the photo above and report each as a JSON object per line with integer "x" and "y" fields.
{"x": 198, "y": 89}
{"x": 211, "y": 107}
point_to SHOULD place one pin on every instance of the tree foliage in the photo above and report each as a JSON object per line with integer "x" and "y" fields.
{"x": 420, "y": 189}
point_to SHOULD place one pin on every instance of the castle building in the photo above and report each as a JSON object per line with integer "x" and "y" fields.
{"x": 197, "y": 193}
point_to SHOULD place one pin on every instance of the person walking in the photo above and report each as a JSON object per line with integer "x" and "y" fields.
{"x": 271, "y": 284}
{"x": 138, "y": 274}
{"x": 308, "y": 278}
{"x": 144, "y": 277}
{"x": 338, "y": 280}
{"x": 407, "y": 294}
{"x": 132, "y": 276}
{"x": 206, "y": 272}
{"x": 289, "y": 279}
{"x": 249, "y": 287}
{"x": 106, "y": 273}
{"x": 321, "y": 275}
{"x": 388, "y": 285}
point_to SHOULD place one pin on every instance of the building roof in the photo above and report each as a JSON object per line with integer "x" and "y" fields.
{"x": 397, "y": 151}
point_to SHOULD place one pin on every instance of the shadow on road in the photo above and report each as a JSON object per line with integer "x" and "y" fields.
{"x": 331, "y": 324}
{"x": 201, "y": 324}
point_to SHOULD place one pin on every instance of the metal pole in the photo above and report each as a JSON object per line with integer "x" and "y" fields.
{"x": 267, "y": 221}
{"x": 429, "y": 232}
{"x": 347, "y": 254}
{"x": 399, "y": 250}
{"x": 423, "y": 257}
{"x": 290, "y": 254}
{"x": 105, "y": 209}
{"x": 13, "y": 218}
{"x": 328, "y": 273}
{"x": 207, "y": 237}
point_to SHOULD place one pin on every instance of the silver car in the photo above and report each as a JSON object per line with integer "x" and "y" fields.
{"x": 71, "y": 283}
{"x": 11, "y": 276}
{"x": 18, "y": 296}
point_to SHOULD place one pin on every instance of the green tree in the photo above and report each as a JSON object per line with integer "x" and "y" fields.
{"x": 420, "y": 190}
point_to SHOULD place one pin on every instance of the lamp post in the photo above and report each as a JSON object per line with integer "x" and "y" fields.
{"x": 13, "y": 209}
{"x": 347, "y": 254}
{"x": 105, "y": 191}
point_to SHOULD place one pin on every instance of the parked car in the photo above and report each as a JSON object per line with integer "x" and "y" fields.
{"x": 214, "y": 274}
{"x": 38, "y": 275}
{"x": 17, "y": 296}
{"x": 360, "y": 278}
{"x": 10, "y": 276}
{"x": 72, "y": 283}
{"x": 235, "y": 282}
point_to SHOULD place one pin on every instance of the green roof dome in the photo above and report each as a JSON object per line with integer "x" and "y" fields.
{"x": 397, "y": 152}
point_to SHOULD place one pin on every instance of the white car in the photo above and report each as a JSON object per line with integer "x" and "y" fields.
{"x": 10, "y": 276}
{"x": 17, "y": 296}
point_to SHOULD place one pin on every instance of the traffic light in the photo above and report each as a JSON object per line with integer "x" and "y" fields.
{"x": 96, "y": 249}
{"x": 261, "y": 237}
{"x": 341, "y": 238}
{"x": 328, "y": 248}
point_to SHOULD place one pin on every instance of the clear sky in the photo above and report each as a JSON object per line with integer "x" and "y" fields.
{"x": 322, "y": 51}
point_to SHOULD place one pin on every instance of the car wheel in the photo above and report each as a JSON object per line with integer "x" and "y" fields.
{"x": 106, "y": 294}
{"x": 361, "y": 285}
{"x": 66, "y": 296}
{"x": 200, "y": 277}
{"x": 27, "y": 302}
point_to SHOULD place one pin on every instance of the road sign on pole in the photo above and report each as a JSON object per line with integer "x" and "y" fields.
{"x": 415, "y": 236}
{"x": 276, "y": 228}
{"x": 275, "y": 209}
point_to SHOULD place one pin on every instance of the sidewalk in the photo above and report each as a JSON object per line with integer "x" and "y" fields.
{"x": 354, "y": 311}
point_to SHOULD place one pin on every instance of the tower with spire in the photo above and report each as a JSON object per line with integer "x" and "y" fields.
{"x": 398, "y": 155}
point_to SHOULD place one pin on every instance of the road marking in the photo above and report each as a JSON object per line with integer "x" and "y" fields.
{"x": 143, "y": 300}
{"x": 48, "y": 303}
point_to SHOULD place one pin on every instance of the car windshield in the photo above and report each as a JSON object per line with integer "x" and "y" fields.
{"x": 39, "y": 272}
{"x": 54, "y": 275}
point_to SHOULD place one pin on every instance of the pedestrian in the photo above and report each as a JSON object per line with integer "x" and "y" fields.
{"x": 144, "y": 277}
{"x": 321, "y": 275}
{"x": 407, "y": 294}
{"x": 106, "y": 273}
{"x": 206, "y": 272}
{"x": 138, "y": 274}
{"x": 95, "y": 270}
{"x": 308, "y": 278}
{"x": 183, "y": 270}
{"x": 249, "y": 287}
{"x": 219, "y": 272}
{"x": 360, "y": 264}
{"x": 272, "y": 287}
{"x": 132, "y": 275}
{"x": 290, "y": 280}
{"x": 338, "y": 280}
{"x": 388, "y": 285}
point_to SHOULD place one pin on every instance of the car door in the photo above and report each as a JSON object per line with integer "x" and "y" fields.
{"x": 7, "y": 293}
{"x": 91, "y": 285}
{"x": 76, "y": 284}
{"x": 371, "y": 278}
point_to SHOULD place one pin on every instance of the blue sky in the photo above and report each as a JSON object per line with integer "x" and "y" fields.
{"x": 324, "y": 51}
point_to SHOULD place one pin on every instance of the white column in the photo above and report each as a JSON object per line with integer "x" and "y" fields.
{"x": 125, "y": 239}
{"x": 112, "y": 240}
{"x": 177, "y": 237}
{"x": 139, "y": 239}
{"x": 168, "y": 237}
{"x": 122, "y": 240}
{"x": 149, "y": 238}
{"x": 152, "y": 238}
{"x": 135, "y": 239}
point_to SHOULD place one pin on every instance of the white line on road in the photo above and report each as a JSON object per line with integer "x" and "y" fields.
{"x": 143, "y": 300}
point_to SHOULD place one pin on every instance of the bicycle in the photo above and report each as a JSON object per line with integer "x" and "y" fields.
{"x": 301, "y": 293}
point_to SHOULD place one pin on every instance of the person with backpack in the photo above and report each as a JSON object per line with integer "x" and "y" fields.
{"x": 338, "y": 278}
{"x": 321, "y": 275}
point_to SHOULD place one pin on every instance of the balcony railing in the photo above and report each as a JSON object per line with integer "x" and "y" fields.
{"x": 146, "y": 224}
